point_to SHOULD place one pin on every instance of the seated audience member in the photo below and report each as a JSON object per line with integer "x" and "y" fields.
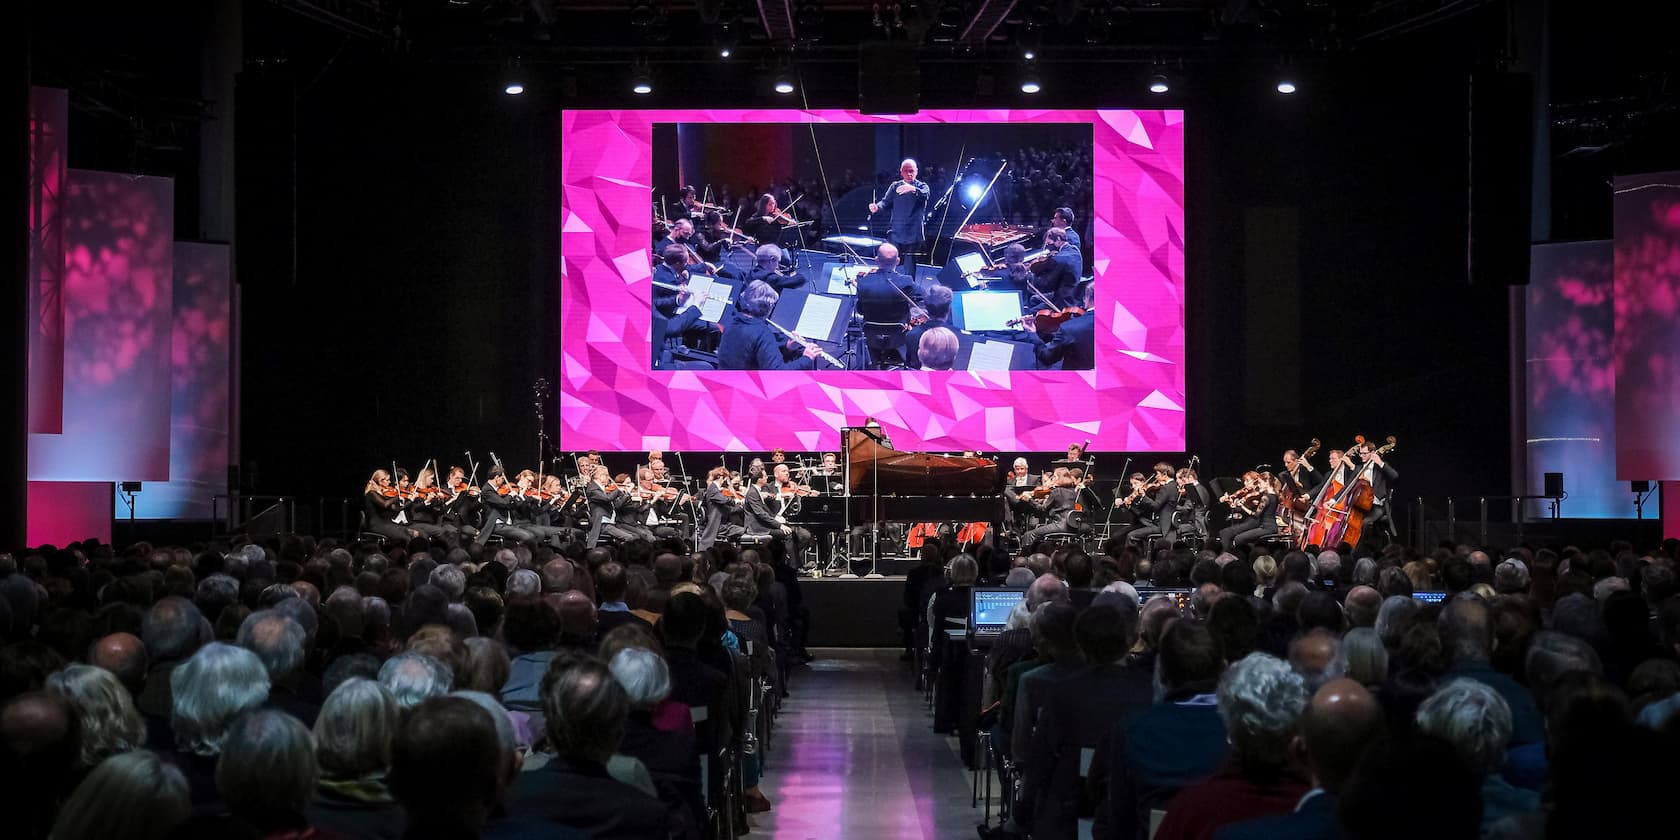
{"x": 353, "y": 735}
{"x": 267, "y": 773}
{"x": 173, "y": 630}
{"x": 486, "y": 666}
{"x": 1340, "y": 722}
{"x": 585, "y": 709}
{"x": 456, "y": 733}
{"x": 1477, "y": 722}
{"x": 669, "y": 756}
{"x": 129, "y": 796}
{"x": 1467, "y": 642}
{"x": 218, "y": 684}
{"x": 1260, "y": 701}
{"x": 1058, "y": 655}
{"x": 413, "y": 678}
{"x": 1316, "y": 656}
{"x": 1362, "y": 604}
{"x": 1078, "y": 711}
{"x": 279, "y": 642}
{"x": 611, "y": 589}
{"x": 40, "y": 741}
{"x": 1364, "y": 659}
{"x": 531, "y": 629}
{"x": 109, "y": 722}
{"x": 1144, "y": 762}
{"x": 1442, "y": 796}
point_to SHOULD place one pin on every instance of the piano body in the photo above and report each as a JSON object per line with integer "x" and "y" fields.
{"x": 918, "y": 486}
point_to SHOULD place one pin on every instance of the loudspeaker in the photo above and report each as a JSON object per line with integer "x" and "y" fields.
{"x": 1640, "y": 486}
{"x": 1554, "y": 485}
{"x": 889, "y": 78}
{"x": 1501, "y": 171}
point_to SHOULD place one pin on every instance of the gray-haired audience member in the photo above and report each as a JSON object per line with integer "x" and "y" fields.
{"x": 210, "y": 690}
{"x": 267, "y": 771}
{"x": 451, "y": 580}
{"x": 415, "y": 677}
{"x": 109, "y": 722}
{"x": 1019, "y": 577}
{"x": 1364, "y": 659}
{"x": 1511, "y": 577}
{"x": 644, "y": 676}
{"x": 1551, "y": 655}
{"x": 172, "y": 629}
{"x": 1477, "y": 722}
{"x": 130, "y": 796}
{"x": 523, "y": 582}
{"x": 1393, "y": 618}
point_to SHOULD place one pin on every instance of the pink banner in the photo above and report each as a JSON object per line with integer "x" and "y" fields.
{"x": 1647, "y": 222}
{"x": 1133, "y": 400}
{"x": 119, "y": 258}
{"x": 49, "y": 120}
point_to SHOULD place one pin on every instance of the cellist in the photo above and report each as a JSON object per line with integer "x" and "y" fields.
{"x": 1382, "y": 477}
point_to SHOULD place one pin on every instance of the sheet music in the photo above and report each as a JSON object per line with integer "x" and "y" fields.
{"x": 991, "y": 355}
{"x": 989, "y": 310}
{"x": 838, "y": 276}
{"x": 817, "y": 318}
{"x": 717, "y": 296}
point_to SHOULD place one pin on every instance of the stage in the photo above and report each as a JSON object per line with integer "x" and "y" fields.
{"x": 860, "y": 612}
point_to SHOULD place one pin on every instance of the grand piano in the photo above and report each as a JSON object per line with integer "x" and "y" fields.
{"x": 917, "y": 486}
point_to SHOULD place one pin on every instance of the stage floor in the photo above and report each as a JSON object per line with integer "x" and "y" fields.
{"x": 860, "y": 612}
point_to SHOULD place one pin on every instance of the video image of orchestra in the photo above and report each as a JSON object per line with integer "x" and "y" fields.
{"x": 891, "y": 247}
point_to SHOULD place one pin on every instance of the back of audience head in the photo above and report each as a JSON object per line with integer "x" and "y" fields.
{"x": 276, "y": 640}
{"x": 1443, "y": 795}
{"x": 172, "y": 630}
{"x": 451, "y": 732}
{"x": 1316, "y": 656}
{"x": 124, "y": 655}
{"x": 1236, "y": 626}
{"x": 267, "y": 771}
{"x": 643, "y": 675}
{"x": 212, "y": 688}
{"x": 1341, "y": 720}
{"x": 415, "y": 677}
{"x": 109, "y": 722}
{"x": 1362, "y": 604}
{"x": 1052, "y": 628}
{"x": 1188, "y": 657}
{"x": 1260, "y": 699}
{"x": 1473, "y": 718}
{"x": 584, "y": 708}
{"x": 133, "y": 795}
{"x": 354, "y": 729}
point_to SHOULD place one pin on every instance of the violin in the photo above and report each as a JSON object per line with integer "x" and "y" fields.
{"x": 1047, "y": 321}
{"x": 791, "y": 489}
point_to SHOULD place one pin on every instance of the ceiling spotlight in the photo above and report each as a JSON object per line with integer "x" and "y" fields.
{"x": 514, "y": 88}
{"x": 1029, "y": 82}
{"x": 1158, "y": 83}
{"x": 726, "y": 41}
{"x": 513, "y": 77}
{"x": 1285, "y": 85}
{"x": 641, "y": 84}
{"x": 784, "y": 82}
{"x": 1029, "y": 53}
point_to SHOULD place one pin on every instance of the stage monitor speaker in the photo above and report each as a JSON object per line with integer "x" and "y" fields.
{"x": 1640, "y": 486}
{"x": 889, "y": 78}
{"x": 1501, "y": 177}
{"x": 1554, "y": 485}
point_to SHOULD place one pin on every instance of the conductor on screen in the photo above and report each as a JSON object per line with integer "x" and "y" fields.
{"x": 749, "y": 342}
{"x": 907, "y": 200}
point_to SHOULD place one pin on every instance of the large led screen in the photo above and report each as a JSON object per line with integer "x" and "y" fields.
{"x": 1647, "y": 222}
{"x": 1572, "y": 379}
{"x": 691, "y": 354}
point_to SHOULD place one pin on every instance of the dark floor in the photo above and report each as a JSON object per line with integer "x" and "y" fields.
{"x": 854, "y": 756}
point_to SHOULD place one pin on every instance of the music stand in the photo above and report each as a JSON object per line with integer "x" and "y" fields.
{"x": 791, "y": 305}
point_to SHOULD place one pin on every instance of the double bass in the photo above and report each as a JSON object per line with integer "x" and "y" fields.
{"x": 1342, "y": 519}
{"x": 1293, "y": 505}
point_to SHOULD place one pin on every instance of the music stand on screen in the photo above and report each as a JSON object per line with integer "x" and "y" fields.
{"x": 980, "y": 311}
{"x": 970, "y": 264}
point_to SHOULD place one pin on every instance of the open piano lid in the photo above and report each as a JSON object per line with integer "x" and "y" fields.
{"x": 915, "y": 473}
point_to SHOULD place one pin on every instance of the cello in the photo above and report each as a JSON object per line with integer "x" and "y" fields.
{"x": 1293, "y": 505}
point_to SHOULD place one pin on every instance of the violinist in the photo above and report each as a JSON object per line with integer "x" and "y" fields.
{"x": 1162, "y": 505}
{"x": 1266, "y": 504}
{"x": 606, "y": 499}
{"x": 682, "y": 231}
{"x": 1063, "y": 218}
{"x": 532, "y": 512}
{"x": 1136, "y": 500}
{"x": 906, "y": 203}
{"x": 460, "y": 507}
{"x": 1017, "y": 491}
{"x": 714, "y": 239}
{"x": 692, "y": 207}
{"x": 1073, "y": 346}
{"x": 786, "y": 491}
{"x": 937, "y": 302}
{"x": 1058, "y": 509}
{"x": 662, "y": 504}
{"x": 767, "y": 221}
{"x": 720, "y": 499}
{"x": 1245, "y": 505}
{"x": 1058, "y": 277}
{"x": 498, "y": 497}
{"x": 427, "y": 508}
{"x": 1016, "y": 270}
{"x": 381, "y": 507}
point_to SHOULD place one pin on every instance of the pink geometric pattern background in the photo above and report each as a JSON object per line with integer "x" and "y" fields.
{"x": 610, "y": 398}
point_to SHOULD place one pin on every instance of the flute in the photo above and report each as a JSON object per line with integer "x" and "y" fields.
{"x": 820, "y": 352}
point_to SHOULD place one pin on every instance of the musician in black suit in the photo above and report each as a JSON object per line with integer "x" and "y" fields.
{"x": 1298, "y": 472}
{"x": 682, "y": 230}
{"x": 668, "y": 304}
{"x": 718, "y": 508}
{"x": 798, "y": 539}
{"x": 1073, "y": 345}
{"x": 906, "y": 199}
{"x": 1063, "y": 218}
{"x": 692, "y": 208}
{"x": 767, "y": 262}
{"x": 504, "y": 509}
{"x": 1192, "y": 503}
{"x": 1058, "y": 510}
{"x": 1160, "y": 507}
{"x": 606, "y": 502}
{"x": 761, "y": 519}
{"x": 1382, "y": 478}
{"x": 1058, "y": 277}
{"x": 827, "y": 478}
{"x": 750, "y": 343}
{"x": 937, "y": 302}
{"x": 884, "y": 295}
{"x": 714, "y": 238}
